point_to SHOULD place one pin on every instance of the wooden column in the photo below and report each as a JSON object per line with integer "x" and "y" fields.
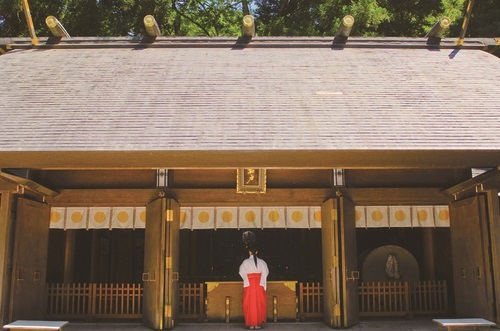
{"x": 493, "y": 206}
{"x": 429, "y": 267}
{"x": 69, "y": 256}
{"x": 6, "y": 201}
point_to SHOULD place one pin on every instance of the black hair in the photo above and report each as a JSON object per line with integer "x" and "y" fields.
{"x": 249, "y": 242}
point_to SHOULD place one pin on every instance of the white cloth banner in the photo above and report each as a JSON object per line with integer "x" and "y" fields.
{"x": 99, "y": 218}
{"x": 186, "y": 218}
{"x": 250, "y": 218}
{"x": 226, "y": 217}
{"x": 399, "y": 217}
{"x": 76, "y": 217}
{"x": 57, "y": 217}
{"x": 360, "y": 216}
{"x": 140, "y": 218}
{"x": 315, "y": 217}
{"x": 297, "y": 217}
{"x": 122, "y": 218}
{"x": 422, "y": 216}
{"x": 203, "y": 218}
{"x": 441, "y": 216}
{"x": 376, "y": 217}
{"x": 273, "y": 217}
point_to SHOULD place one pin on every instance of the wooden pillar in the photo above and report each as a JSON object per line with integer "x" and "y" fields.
{"x": 69, "y": 256}
{"x": 429, "y": 267}
{"x": 493, "y": 206}
{"x": 6, "y": 201}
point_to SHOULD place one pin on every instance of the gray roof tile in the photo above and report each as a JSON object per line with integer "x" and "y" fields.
{"x": 189, "y": 99}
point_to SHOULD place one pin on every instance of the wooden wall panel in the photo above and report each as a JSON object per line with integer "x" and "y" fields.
{"x": 406, "y": 177}
{"x": 95, "y": 179}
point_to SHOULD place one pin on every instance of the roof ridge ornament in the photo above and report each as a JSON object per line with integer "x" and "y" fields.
{"x": 247, "y": 29}
{"x": 435, "y": 33}
{"x": 56, "y": 28}
{"x": 248, "y": 26}
{"x": 344, "y": 30}
{"x": 152, "y": 28}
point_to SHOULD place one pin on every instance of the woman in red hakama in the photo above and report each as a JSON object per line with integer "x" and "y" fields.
{"x": 254, "y": 273}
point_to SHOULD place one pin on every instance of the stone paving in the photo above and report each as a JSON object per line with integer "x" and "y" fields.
{"x": 421, "y": 324}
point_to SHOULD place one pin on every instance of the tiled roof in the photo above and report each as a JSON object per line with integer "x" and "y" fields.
{"x": 253, "y": 99}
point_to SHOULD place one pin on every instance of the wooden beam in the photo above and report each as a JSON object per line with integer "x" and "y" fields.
{"x": 221, "y": 197}
{"x": 491, "y": 176}
{"x": 140, "y": 197}
{"x": 387, "y": 196}
{"x": 7, "y": 185}
{"x": 319, "y": 159}
{"x": 104, "y": 197}
{"x": 29, "y": 184}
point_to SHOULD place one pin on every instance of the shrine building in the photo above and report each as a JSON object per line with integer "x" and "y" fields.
{"x": 367, "y": 168}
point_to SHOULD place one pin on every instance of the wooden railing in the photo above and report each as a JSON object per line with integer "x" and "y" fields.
{"x": 73, "y": 301}
{"x": 382, "y": 299}
{"x": 192, "y": 301}
{"x": 88, "y": 301}
{"x": 94, "y": 300}
{"x": 429, "y": 297}
{"x": 310, "y": 300}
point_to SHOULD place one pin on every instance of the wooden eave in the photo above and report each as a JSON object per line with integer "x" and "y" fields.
{"x": 9, "y": 182}
{"x": 489, "y": 180}
{"x": 348, "y": 159}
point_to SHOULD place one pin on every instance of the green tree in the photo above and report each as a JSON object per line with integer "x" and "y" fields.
{"x": 287, "y": 17}
{"x": 209, "y": 18}
{"x": 484, "y": 22}
{"x": 13, "y": 22}
{"x": 408, "y": 18}
{"x": 273, "y": 17}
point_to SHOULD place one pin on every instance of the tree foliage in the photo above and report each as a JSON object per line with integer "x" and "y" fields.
{"x": 273, "y": 17}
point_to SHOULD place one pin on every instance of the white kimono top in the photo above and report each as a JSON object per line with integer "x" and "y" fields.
{"x": 248, "y": 267}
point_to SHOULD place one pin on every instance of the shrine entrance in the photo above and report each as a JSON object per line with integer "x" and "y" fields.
{"x": 296, "y": 247}
{"x": 211, "y": 249}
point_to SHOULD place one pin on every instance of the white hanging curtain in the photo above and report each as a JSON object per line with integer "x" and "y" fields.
{"x": 441, "y": 216}
{"x": 57, "y": 217}
{"x": 186, "y": 218}
{"x": 99, "y": 217}
{"x": 140, "y": 218}
{"x": 76, "y": 218}
{"x": 315, "y": 217}
{"x": 422, "y": 216}
{"x": 203, "y": 218}
{"x": 273, "y": 217}
{"x": 250, "y": 218}
{"x": 123, "y": 218}
{"x": 226, "y": 217}
{"x": 376, "y": 217}
{"x": 399, "y": 216}
{"x": 297, "y": 217}
{"x": 360, "y": 216}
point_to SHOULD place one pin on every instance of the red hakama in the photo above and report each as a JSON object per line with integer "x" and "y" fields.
{"x": 254, "y": 301}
